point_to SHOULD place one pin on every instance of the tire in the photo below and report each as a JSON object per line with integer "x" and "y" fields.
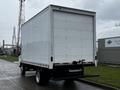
{"x": 23, "y": 71}
{"x": 41, "y": 77}
{"x": 38, "y": 77}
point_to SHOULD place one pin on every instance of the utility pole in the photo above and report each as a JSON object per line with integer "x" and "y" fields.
{"x": 3, "y": 44}
{"x": 21, "y": 20}
{"x": 14, "y": 37}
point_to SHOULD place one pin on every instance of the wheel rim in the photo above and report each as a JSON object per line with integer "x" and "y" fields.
{"x": 38, "y": 77}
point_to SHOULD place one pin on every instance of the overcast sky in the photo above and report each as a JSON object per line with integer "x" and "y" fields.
{"x": 108, "y": 14}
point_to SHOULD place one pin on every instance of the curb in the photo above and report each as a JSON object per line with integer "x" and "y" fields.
{"x": 107, "y": 87}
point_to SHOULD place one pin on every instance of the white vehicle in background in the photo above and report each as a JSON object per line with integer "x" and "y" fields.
{"x": 56, "y": 41}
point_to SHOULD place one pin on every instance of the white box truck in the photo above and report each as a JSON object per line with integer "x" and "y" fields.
{"x": 55, "y": 42}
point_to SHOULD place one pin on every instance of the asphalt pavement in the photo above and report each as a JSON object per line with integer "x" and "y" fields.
{"x": 10, "y": 79}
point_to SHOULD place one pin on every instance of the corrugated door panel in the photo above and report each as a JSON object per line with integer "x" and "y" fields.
{"x": 73, "y": 37}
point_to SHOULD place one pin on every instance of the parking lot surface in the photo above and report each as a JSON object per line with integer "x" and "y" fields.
{"x": 10, "y": 79}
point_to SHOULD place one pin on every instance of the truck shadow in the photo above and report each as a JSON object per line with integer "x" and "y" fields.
{"x": 29, "y": 83}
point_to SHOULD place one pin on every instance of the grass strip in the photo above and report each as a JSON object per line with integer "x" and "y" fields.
{"x": 108, "y": 75}
{"x": 9, "y": 58}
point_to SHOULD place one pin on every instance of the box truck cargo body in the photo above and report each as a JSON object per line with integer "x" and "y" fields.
{"x": 58, "y": 38}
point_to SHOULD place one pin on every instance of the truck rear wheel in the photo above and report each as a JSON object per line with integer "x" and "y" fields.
{"x": 41, "y": 77}
{"x": 38, "y": 77}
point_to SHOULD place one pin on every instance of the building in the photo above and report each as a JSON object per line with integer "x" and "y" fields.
{"x": 109, "y": 50}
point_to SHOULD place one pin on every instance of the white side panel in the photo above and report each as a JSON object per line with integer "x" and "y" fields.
{"x": 73, "y": 37}
{"x": 112, "y": 42}
{"x": 36, "y": 39}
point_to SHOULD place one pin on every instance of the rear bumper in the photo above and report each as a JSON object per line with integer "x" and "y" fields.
{"x": 64, "y": 70}
{"x": 72, "y": 66}
{"x": 69, "y": 71}
{"x": 67, "y": 66}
